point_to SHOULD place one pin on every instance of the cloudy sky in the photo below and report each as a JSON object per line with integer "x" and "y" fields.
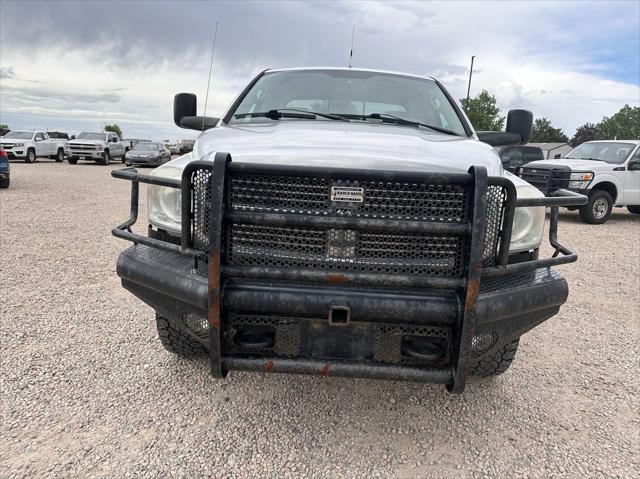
{"x": 78, "y": 65}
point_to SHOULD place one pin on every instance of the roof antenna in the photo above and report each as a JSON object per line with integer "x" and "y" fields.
{"x": 206, "y": 98}
{"x": 353, "y": 33}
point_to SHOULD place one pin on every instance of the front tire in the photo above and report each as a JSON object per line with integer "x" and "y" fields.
{"x": 106, "y": 158}
{"x": 598, "y": 208}
{"x": 31, "y": 156}
{"x": 5, "y": 182}
{"x": 72, "y": 160}
{"x": 634, "y": 209}
{"x": 497, "y": 362}
{"x": 59, "y": 156}
{"x": 177, "y": 341}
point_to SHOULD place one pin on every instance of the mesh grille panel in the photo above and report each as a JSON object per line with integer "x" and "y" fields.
{"x": 382, "y": 199}
{"x": 496, "y": 200}
{"x": 345, "y": 250}
{"x": 200, "y": 208}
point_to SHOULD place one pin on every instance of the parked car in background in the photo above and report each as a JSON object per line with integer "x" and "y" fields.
{"x": 514, "y": 157}
{"x": 4, "y": 131}
{"x": 5, "y": 169}
{"x": 30, "y": 145}
{"x": 608, "y": 172}
{"x": 98, "y": 147}
{"x": 148, "y": 154}
{"x": 134, "y": 141}
{"x": 174, "y": 150}
{"x": 186, "y": 146}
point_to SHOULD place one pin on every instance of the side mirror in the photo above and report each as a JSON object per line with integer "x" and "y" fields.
{"x": 518, "y": 131}
{"x": 184, "y": 113}
{"x": 73, "y": 137}
{"x": 520, "y": 122}
{"x": 634, "y": 165}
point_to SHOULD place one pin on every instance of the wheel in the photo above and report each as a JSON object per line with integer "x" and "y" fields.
{"x": 498, "y": 362}
{"x": 598, "y": 208}
{"x": 634, "y": 209}
{"x": 72, "y": 160}
{"x": 176, "y": 340}
{"x": 31, "y": 156}
{"x": 59, "y": 156}
{"x": 106, "y": 158}
{"x": 4, "y": 183}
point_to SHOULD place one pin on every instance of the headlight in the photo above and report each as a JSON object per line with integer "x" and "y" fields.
{"x": 164, "y": 203}
{"x": 528, "y": 222}
{"x": 18, "y": 144}
{"x": 580, "y": 180}
{"x": 98, "y": 147}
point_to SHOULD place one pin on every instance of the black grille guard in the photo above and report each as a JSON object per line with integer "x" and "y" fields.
{"x": 214, "y": 218}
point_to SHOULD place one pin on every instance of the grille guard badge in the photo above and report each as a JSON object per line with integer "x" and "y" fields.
{"x": 347, "y": 194}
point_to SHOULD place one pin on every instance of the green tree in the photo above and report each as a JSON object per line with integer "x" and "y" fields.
{"x": 114, "y": 129}
{"x": 586, "y": 132}
{"x": 4, "y": 126}
{"x": 544, "y": 132}
{"x": 624, "y": 125}
{"x": 483, "y": 112}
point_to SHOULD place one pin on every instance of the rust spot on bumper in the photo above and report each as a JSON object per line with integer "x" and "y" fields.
{"x": 326, "y": 370}
{"x": 336, "y": 278}
{"x": 473, "y": 290}
{"x": 214, "y": 290}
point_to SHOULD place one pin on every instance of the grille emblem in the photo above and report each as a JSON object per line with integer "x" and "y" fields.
{"x": 347, "y": 194}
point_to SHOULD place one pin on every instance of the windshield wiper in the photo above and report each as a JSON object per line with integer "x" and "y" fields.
{"x": 404, "y": 121}
{"x": 279, "y": 113}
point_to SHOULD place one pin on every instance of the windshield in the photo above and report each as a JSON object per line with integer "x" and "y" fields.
{"x": 92, "y": 136}
{"x": 55, "y": 134}
{"x": 352, "y": 94}
{"x": 20, "y": 135}
{"x": 611, "y": 152}
{"x": 143, "y": 146}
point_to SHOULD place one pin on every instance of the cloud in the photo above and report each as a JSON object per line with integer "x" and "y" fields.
{"x": 129, "y": 58}
{"x": 7, "y": 72}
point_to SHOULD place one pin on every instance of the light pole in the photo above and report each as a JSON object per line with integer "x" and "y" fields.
{"x": 470, "y": 73}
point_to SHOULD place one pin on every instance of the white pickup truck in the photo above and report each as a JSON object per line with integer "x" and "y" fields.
{"x": 30, "y": 145}
{"x": 98, "y": 147}
{"x": 608, "y": 172}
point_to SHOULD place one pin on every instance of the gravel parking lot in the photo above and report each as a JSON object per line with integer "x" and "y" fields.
{"x": 88, "y": 391}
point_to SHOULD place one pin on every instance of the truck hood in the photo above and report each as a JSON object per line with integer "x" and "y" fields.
{"x": 346, "y": 145}
{"x": 574, "y": 165}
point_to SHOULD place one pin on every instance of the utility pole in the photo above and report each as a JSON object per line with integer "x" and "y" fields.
{"x": 470, "y": 73}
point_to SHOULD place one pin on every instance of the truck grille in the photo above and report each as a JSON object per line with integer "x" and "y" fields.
{"x": 344, "y": 250}
{"x": 382, "y": 199}
{"x": 325, "y": 247}
{"x": 77, "y": 147}
{"x": 546, "y": 180}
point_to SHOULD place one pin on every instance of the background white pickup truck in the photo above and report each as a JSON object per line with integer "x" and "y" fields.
{"x": 608, "y": 172}
{"x": 98, "y": 147}
{"x": 30, "y": 145}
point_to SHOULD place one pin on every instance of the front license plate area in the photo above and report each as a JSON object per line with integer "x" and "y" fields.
{"x": 319, "y": 339}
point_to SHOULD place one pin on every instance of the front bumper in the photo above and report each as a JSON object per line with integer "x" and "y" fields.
{"x": 152, "y": 161}
{"x": 16, "y": 154}
{"x": 86, "y": 155}
{"x": 507, "y": 307}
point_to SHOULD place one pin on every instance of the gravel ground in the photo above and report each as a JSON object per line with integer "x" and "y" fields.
{"x": 88, "y": 391}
